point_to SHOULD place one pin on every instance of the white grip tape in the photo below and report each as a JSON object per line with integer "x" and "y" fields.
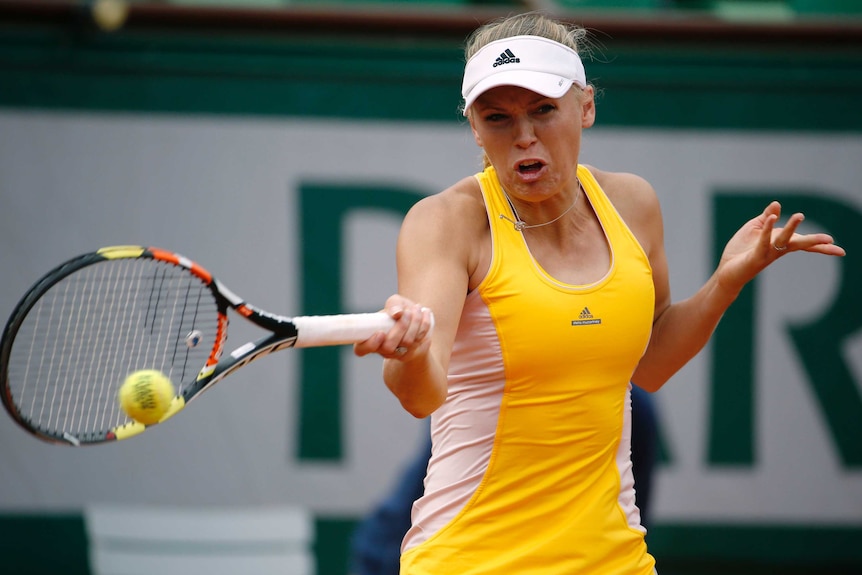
{"x": 322, "y": 330}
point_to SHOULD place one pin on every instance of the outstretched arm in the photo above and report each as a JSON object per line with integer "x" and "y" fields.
{"x": 434, "y": 255}
{"x": 682, "y": 329}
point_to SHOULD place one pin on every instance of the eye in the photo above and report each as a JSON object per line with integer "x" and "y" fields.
{"x": 494, "y": 117}
{"x": 545, "y": 109}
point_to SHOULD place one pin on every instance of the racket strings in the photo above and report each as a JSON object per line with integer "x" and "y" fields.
{"x": 178, "y": 336}
{"x": 91, "y": 329}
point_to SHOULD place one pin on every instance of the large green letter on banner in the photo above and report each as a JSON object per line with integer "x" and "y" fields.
{"x": 322, "y": 209}
{"x": 819, "y": 343}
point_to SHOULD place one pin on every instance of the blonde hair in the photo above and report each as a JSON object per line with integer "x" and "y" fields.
{"x": 528, "y": 24}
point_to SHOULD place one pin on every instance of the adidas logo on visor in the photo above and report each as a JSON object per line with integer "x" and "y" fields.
{"x": 541, "y": 65}
{"x": 506, "y": 57}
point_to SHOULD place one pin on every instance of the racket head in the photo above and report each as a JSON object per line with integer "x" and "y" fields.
{"x": 85, "y": 326}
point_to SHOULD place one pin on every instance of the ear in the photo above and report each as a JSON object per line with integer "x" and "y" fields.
{"x": 588, "y": 107}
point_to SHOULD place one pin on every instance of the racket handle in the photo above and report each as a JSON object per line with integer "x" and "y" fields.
{"x": 321, "y": 330}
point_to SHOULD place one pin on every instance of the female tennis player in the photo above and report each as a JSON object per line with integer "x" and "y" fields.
{"x": 548, "y": 282}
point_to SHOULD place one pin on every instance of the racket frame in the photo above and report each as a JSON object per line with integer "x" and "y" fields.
{"x": 284, "y": 334}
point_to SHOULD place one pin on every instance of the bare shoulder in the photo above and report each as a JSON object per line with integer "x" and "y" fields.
{"x": 626, "y": 189}
{"x": 450, "y": 226}
{"x": 453, "y": 213}
{"x": 635, "y": 200}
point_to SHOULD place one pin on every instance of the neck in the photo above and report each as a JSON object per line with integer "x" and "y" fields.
{"x": 521, "y": 225}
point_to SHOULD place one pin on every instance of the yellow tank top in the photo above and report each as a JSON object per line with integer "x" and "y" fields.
{"x": 554, "y": 496}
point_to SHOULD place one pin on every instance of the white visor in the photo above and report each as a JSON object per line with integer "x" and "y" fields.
{"x": 532, "y": 62}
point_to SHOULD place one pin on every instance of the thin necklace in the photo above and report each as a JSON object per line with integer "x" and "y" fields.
{"x": 521, "y": 225}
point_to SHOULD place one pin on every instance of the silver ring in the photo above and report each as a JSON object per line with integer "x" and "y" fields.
{"x": 400, "y": 350}
{"x": 779, "y": 249}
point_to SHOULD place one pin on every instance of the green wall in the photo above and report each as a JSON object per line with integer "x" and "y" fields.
{"x": 751, "y": 82}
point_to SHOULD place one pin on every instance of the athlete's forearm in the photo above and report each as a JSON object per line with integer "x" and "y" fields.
{"x": 420, "y": 385}
{"x": 680, "y": 332}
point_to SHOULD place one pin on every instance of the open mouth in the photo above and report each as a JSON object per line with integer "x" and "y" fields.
{"x": 530, "y": 167}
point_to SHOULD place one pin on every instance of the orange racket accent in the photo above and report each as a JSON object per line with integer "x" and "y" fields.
{"x": 164, "y": 256}
{"x": 221, "y": 336}
{"x": 170, "y": 257}
{"x": 201, "y": 273}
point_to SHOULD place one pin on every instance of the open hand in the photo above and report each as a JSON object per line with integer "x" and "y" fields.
{"x": 758, "y": 243}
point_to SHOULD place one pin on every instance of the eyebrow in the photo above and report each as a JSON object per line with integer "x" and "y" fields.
{"x": 496, "y": 104}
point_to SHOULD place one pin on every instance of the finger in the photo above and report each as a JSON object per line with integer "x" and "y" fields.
{"x": 411, "y": 335}
{"x": 395, "y": 311}
{"x": 784, "y": 235}
{"x": 420, "y": 324}
{"x": 773, "y": 209}
{"x": 828, "y": 249}
{"x": 370, "y": 345}
{"x": 397, "y": 335}
{"x": 395, "y": 306}
{"x": 766, "y": 240}
{"x": 427, "y": 323}
{"x": 818, "y": 243}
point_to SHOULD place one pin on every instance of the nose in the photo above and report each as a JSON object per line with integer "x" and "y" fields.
{"x": 525, "y": 132}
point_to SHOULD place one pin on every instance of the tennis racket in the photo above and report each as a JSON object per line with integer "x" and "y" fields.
{"x": 85, "y": 326}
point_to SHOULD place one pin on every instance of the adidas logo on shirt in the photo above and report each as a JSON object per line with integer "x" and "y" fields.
{"x": 586, "y": 318}
{"x": 506, "y": 57}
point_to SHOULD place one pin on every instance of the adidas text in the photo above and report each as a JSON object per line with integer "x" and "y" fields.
{"x": 586, "y": 318}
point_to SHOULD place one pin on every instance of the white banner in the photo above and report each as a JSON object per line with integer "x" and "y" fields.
{"x": 224, "y": 192}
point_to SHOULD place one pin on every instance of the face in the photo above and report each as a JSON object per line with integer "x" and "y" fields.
{"x": 532, "y": 141}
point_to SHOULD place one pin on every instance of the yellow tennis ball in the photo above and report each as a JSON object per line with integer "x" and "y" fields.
{"x": 146, "y": 396}
{"x": 110, "y": 15}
